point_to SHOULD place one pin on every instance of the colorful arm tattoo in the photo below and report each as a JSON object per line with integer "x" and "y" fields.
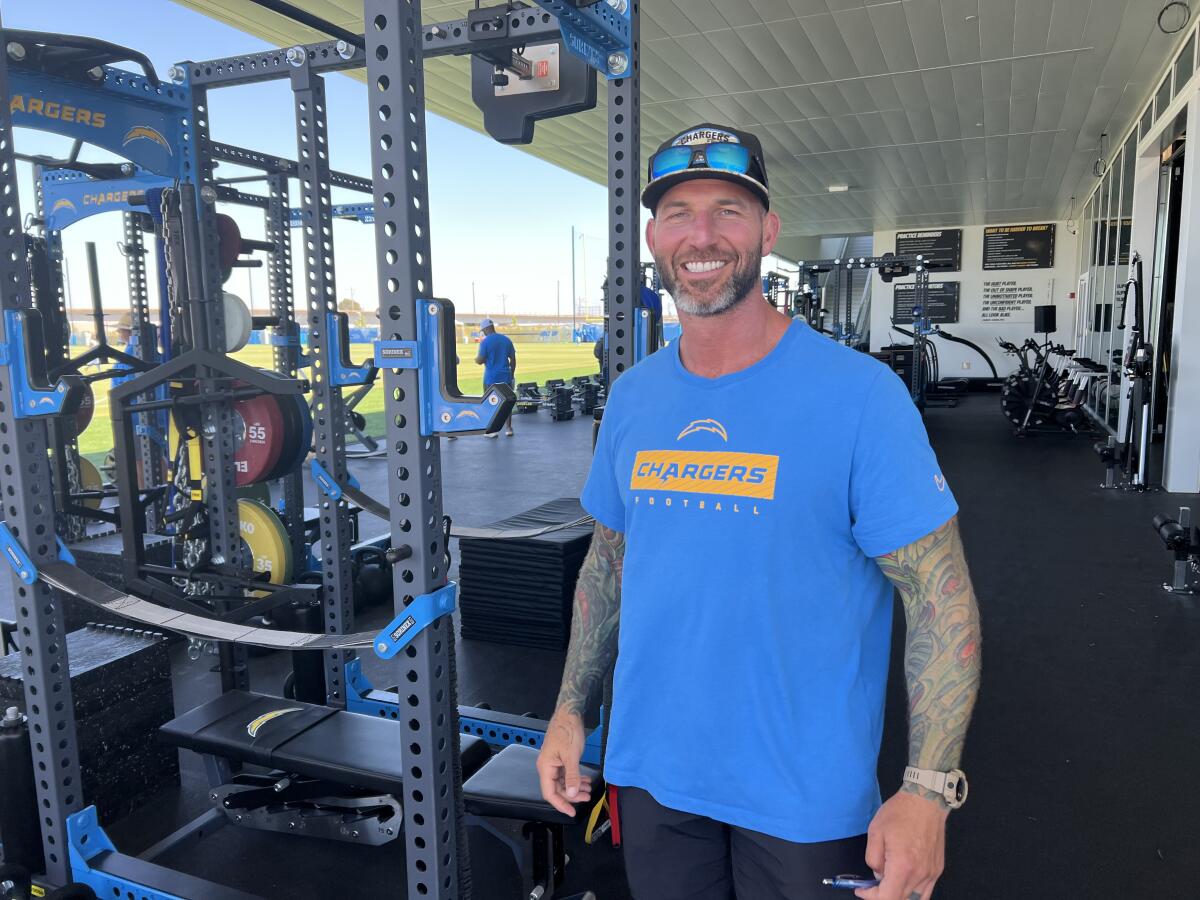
{"x": 596, "y": 620}
{"x": 942, "y": 655}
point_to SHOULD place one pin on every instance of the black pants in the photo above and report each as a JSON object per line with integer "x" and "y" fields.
{"x": 672, "y": 855}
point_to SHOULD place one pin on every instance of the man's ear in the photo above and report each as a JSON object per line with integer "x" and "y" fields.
{"x": 771, "y": 226}
{"x": 650, "y": 236}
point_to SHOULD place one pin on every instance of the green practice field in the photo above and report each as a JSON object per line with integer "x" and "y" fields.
{"x": 535, "y": 362}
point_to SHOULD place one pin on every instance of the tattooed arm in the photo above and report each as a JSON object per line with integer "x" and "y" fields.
{"x": 593, "y": 647}
{"x": 907, "y": 838}
{"x": 942, "y": 651}
{"x": 595, "y": 621}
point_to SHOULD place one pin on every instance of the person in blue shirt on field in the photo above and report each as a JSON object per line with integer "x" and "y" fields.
{"x": 498, "y": 357}
{"x": 760, "y": 492}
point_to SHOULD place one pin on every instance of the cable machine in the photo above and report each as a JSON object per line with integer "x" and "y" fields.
{"x": 816, "y": 302}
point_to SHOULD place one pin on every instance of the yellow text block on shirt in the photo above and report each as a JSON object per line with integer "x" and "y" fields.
{"x": 706, "y": 472}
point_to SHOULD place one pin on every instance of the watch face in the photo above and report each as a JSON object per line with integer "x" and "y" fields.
{"x": 956, "y": 788}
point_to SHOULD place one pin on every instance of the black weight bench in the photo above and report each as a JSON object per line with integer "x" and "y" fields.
{"x": 335, "y": 774}
{"x": 339, "y": 775}
{"x": 507, "y": 787}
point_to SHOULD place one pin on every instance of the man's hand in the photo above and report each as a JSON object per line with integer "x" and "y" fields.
{"x": 906, "y": 848}
{"x": 558, "y": 764}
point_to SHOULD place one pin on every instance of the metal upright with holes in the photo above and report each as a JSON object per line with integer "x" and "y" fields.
{"x": 329, "y": 415}
{"x": 56, "y": 330}
{"x": 207, "y": 309}
{"x": 29, "y": 514}
{"x": 438, "y": 863}
{"x": 150, "y": 451}
{"x": 624, "y": 204}
{"x": 286, "y": 353}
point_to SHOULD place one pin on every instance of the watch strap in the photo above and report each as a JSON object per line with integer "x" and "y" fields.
{"x": 950, "y": 786}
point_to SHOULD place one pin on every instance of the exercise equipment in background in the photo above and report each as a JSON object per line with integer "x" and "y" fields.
{"x": 1182, "y": 538}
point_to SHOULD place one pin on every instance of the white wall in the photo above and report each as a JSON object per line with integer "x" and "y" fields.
{"x": 1182, "y": 459}
{"x": 1054, "y": 285}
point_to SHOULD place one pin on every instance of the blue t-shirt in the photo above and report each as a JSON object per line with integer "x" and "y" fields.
{"x": 755, "y": 625}
{"x": 495, "y": 350}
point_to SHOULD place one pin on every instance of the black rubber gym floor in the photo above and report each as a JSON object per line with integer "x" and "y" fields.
{"x": 1081, "y": 752}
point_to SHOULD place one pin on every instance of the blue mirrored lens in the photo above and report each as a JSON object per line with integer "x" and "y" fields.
{"x": 673, "y": 159}
{"x": 728, "y": 158}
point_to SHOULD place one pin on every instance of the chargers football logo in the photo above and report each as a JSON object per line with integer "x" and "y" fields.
{"x": 254, "y": 726}
{"x": 710, "y": 425}
{"x": 145, "y": 132}
{"x": 467, "y": 414}
{"x": 64, "y": 203}
{"x": 705, "y": 136}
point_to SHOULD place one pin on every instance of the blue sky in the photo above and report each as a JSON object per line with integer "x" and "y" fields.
{"x": 510, "y": 236}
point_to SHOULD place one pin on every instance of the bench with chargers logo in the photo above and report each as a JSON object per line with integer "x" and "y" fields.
{"x": 340, "y": 775}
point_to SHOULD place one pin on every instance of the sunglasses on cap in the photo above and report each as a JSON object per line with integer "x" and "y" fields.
{"x": 722, "y": 157}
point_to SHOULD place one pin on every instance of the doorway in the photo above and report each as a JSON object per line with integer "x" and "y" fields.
{"x": 1161, "y": 318}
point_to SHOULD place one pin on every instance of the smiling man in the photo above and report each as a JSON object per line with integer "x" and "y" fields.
{"x": 752, "y": 520}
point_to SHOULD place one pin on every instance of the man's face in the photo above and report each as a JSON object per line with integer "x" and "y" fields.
{"x": 708, "y": 238}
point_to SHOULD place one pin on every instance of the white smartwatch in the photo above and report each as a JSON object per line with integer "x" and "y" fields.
{"x": 952, "y": 785}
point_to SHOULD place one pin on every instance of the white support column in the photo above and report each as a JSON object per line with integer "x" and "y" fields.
{"x": 1182, "y": 464}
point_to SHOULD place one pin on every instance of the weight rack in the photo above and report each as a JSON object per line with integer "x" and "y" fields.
{"x": 437, "y": 855}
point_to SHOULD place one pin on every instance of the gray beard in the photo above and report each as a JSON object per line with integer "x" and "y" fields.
{"x": 737, "y": 290}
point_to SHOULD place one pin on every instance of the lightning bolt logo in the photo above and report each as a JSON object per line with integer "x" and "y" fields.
{"x": 467, "y": 414}
{"x": 253, "y": 728}
{"x": 145, "y": 132}
{"x": 64, "y": 203}
{"x": 709, "y": 425}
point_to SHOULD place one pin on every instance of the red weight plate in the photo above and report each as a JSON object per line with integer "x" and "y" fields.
{"x": 292, "y": 433}
{"x": 83, "y": 416}
{"x": 259, "y": 438}
{"x": 230, "y": 237}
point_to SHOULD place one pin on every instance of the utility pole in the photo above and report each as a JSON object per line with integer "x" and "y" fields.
{"x": 558, "y": 299}
{"x": 472, "y": 298}
{"x": 572, "y": 283}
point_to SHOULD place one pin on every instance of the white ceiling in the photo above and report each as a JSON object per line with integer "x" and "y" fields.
{"x": 934, "y": 112}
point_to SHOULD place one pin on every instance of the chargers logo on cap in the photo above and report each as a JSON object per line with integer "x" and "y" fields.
{"x": 705, "y": 136}
{"x": 145, "y": 132}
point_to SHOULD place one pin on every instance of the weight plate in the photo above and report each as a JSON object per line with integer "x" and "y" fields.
{"x": 87, "y": 408}
{"x": 304, "y": 444}
{"x": 229, "y": 238}
{"x": 292, "y": 431}
{"x": 238, "y": 323}
{"x": 90, "y": 480}
{"x": 258, "y": 438}
{"x": 266, "y": 541}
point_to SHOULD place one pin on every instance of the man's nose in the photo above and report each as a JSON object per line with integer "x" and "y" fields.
{"x": 702, "y": 231}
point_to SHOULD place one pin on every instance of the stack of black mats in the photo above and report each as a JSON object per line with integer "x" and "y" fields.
{"x": 561, "y": 399}
{"x": 520, "y": 591}
{"x": 121, "y": 685}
